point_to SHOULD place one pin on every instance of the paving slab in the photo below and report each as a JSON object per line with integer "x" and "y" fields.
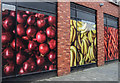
{"x": 107, "y": 72}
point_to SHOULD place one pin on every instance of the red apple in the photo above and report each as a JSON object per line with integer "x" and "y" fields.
{"x": 41, "y": 23}
{"x": 31, "y": 31}
{"x": 8, "y": 69}
{"x": 8, "y": 23}
{"x": 46, "y": 67}
{"x": 20, "y": 58}
{"x": 52, "y": 44}
{"x": 5, "y": 13}
{"x": 19, "y": 44}
{"x": 38, "y": 15}
{"x": 41, "y": 37}
{"x": 32, "y": 45}
{"x": 6, "y": 37}
{"x": 20, "y": 30}
{"x": 31, "y": 20}
{"x": 51, "y": 20}
{"x": 40, "y": 61}
{"x": 32, "y": 66}
{"x": 51, "y": 67}
{"x": 28, "y": 12}
{"x": 50, "y": 31}
{"x": 8, "y": 53}
{"x": 12, "y": 13}
{"x": 22, "y": 71}
{"x": 43, "y": 48}
{"x": 21, "y": 17}
{"x": 29, "y": 65}
{"x": 51, "y": 56}
{"x": 13, "y": 31}
{"x": 25, "y": 37}
{"x": 26, "y": 66}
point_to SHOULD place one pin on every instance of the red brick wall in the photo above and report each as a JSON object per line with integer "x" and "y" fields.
{"x": 63, "y": 56}
{"x": 64, "y": 32}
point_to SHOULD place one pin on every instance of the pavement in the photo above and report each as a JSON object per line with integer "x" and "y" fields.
{"x": 107, "y": 72}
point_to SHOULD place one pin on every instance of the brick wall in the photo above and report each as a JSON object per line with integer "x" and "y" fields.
{"x": 63, "y": 56}
{"x": 64, "y": 32}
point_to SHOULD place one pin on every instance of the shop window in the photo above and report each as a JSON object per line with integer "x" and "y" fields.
{"x": 82, "y": 36}
{"x": 28, "y": 39}
{"x": 110, "y": 37}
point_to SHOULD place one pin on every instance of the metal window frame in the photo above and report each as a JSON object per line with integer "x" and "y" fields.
{"x": 106, "y": 16}
{"x": 75, "y": 18}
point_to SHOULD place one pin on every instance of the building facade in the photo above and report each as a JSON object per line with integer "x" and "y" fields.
{"x": 50, "y": 36}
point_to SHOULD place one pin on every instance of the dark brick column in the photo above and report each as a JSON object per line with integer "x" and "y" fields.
{"x": 100, "y": 38}
{"x": 63, "y": 56}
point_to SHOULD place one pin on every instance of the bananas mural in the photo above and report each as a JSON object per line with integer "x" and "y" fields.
{"x": 83, "y": 43}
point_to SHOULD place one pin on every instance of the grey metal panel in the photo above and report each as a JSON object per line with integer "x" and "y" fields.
{"x": 72, "y": 12}
{"x": 86, "y": 16}
{"x": 111, "y": 20}
{"x": 49, "y": 7}
{"x": 85, "y": 9}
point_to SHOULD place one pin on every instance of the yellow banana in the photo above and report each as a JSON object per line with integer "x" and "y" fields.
{"x": 81, "y": 59}
{"x": 90, "y": 36}
{"x": 88, "y": 54}
{"x": 73, "y": 48}
{"x": 79, "y": 24}
{"x": 74, "y": 35}
{"x": 93, "y": 61}
{"x": 82, "y": 28}
{"x": 95, "y": 42}
{"x": 79, "y": 40}
{"x": 94, "y": 31}
{"x": 78, "y": 45}
{"x": 75, "y": 43}
{"x": 94, "y": 26}
{"x": 71, "y": 34}
{"x": 82, "y": 47}
{"x": 82, "y": 35}
{"x": 85, "y": 47}
{"x": 92, "y": 52}
{"x": 71, "y": 58}
{"x": 78, "y": 57}
{"x": 74, "y": 23}
{"x": 71, "y": 22}
{"x": 85, "y": 37}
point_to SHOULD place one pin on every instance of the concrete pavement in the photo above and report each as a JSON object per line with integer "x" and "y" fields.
{"x": 107, "y": 72}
